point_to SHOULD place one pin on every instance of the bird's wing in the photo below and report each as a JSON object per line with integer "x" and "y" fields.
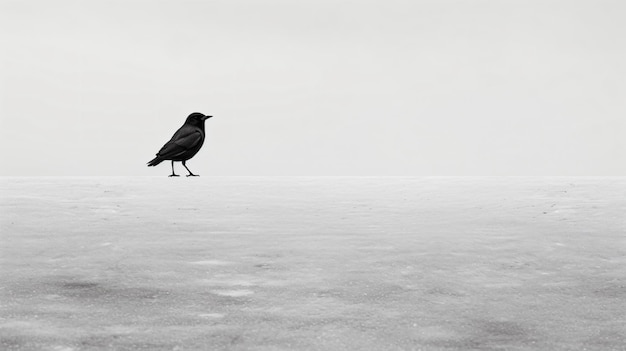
{"x": 183, "y": 140}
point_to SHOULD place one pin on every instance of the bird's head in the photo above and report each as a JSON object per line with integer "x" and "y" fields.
{"x": 197, "y": 119}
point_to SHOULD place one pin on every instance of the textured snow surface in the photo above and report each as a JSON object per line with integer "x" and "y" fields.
{"x": 313, "y": 263}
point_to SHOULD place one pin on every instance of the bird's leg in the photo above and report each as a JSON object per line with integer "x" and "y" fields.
{"x": 174, "y": 174}
{"x": 190, "y": 174}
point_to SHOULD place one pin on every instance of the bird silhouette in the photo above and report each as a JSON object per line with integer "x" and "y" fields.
{"x": 185, "y": 143}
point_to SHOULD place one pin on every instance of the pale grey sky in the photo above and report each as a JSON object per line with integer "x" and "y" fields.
{"x": 388, "y": 87}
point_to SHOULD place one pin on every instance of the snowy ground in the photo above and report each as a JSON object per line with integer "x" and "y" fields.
{"x": 313, "y": 263}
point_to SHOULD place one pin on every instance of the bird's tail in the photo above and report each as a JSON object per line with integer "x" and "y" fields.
{"x": 155, "y": 161}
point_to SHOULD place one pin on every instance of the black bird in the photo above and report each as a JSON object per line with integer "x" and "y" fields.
{"x": 185, "y": 143}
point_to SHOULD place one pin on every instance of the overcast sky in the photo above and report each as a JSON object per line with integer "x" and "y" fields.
{"x": 387, "y": 87}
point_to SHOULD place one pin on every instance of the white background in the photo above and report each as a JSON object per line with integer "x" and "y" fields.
{"x": 465, "y": 87}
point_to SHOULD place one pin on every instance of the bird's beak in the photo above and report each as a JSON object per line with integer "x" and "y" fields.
{"x": 206, "y": 117}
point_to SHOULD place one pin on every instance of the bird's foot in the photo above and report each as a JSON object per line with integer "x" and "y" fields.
{"x": 192, "y": 175}
{"x": 173, "y": 175}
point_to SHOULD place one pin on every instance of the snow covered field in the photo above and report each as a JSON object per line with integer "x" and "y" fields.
{"x": 159, "y": 263}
